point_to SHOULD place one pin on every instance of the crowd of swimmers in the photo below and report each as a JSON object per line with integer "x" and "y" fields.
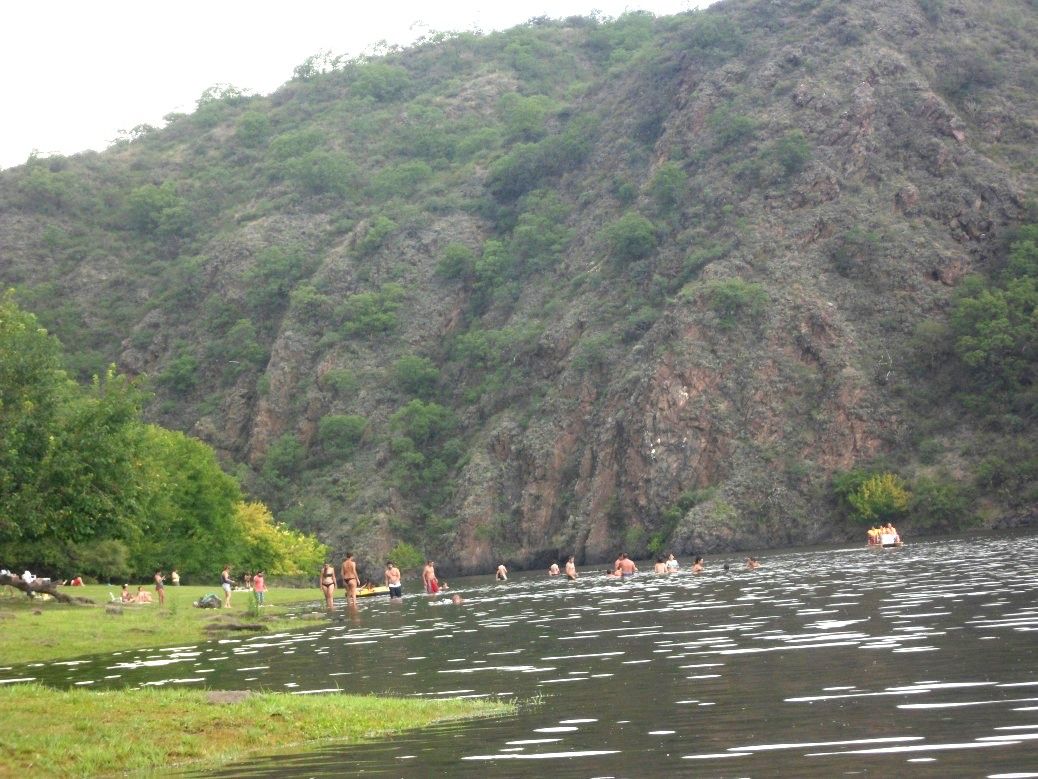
{"x": 623, "y": 568}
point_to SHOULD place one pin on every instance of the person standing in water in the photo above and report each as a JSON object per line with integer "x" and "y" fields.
{"x": 502, "y": 573}
{"x": 571, "y": 569}
{"x": 697, "y": 565}
{"x": 432, "y": 586}
{"x": 350, "y": 580}
{"x": 553, "y": 569}
{"x": 625, "y": 565}
{"x": 328, "y": 584}
{"x": 672, "y": 564}
{"x": 392, "y": 580}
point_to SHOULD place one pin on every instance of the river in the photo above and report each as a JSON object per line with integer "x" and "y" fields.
{"x": 918, "y": 661}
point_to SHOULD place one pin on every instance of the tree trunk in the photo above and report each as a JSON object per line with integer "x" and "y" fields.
{"x": 40, "y": 586}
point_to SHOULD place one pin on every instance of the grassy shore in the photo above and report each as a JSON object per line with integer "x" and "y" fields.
{"x": 36, "y": 630}
{"x": 100, "y": 733}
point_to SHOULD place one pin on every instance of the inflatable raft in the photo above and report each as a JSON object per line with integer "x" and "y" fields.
{"x": 364, "y": 592}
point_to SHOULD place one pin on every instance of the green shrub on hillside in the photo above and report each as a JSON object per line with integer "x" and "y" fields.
{"x": 158, "y": 211}
{"x": 321, "y": 172}
{"x": 180, "y": 375}
{"x": 792, "y": 152}
{"x": 531, "y": 166}
{"x": 370, "y": 313}
{"x": 730, "y": 128}
{"x": 457, "y": 262}
{"x": 416, "y": 375}
{"x": 342, "y": 381}
{"x": 631, "y": 237}
{"x": 524, "y": 117}
{"x": 380, "y": 81}
{"x": 340, "y": 433}
{"x": 377, "y": 233}
{"x": 668, "y": 187}
{"x": 254, "y": 129}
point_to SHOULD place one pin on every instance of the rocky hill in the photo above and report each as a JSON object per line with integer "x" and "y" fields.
{"x": 581, "y": 285}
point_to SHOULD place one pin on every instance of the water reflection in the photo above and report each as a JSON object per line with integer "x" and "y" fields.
{"x": 920, "y": 659}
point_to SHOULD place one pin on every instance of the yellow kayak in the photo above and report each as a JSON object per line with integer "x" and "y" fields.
{"x": 364, "y": 592}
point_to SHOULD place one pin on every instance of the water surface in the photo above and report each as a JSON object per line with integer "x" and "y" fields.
{"x": 921, "y": 660}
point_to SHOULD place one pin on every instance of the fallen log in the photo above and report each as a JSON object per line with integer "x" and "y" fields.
{"x": 42, "y": 586}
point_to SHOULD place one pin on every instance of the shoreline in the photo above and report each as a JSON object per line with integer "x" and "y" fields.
{"x": 106, "y": 732}
{"x": 82, "y": 732}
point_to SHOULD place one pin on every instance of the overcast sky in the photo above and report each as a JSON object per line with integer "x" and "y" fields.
{"x": 76, "y": 73}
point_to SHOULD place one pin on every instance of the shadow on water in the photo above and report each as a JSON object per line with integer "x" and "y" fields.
{"x": 920, "y": 660}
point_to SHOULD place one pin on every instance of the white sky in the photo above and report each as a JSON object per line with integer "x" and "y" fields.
{"x": 76, "y": 73}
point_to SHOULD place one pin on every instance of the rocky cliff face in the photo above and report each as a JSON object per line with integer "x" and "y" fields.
{"x": 816, "y": 179}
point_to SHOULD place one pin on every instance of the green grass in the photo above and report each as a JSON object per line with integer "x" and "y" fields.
{"x": 36, "y": 630}
{"x": 100, "y": 733}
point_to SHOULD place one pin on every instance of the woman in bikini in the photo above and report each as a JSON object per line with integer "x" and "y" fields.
{"x": 328, "y": 583}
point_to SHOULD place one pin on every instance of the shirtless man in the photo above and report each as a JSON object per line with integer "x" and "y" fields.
{"x": 697, "y": 565}
{"x": 432, "y": 586}
{"x": 392, "y": 580}
{"x": 502, "y": 573}
{"x": 626, "y": 566}
{"x": 571, "y": 569}
{"x": 350, "y": 580}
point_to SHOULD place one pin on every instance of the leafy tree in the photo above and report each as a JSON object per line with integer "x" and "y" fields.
{"x": 239, "y": 349}
{"x": 378, "y": 232}
{"x": 457, "y": 262}
{"x": 524, "y": 117}
{"x": 282, "y": 462}
{"x": 792, "y": 152}
{"x": 253, "y": 129}
{"x": 424, "y": 423}
{"x": 530, "y": 166}
{"x": 735, "y": 299}
{"x": 180, "y": 375}
{"x": 276, "y": 271}
{"x": 342, "y": 381}
{"x": 996, "y": 331}
{"x": 158, "y": 211}
{"x": 273, "y": 548}
{"x": 631, "y": 237}
{"x": 730, "y": 128}
{"x": 874, "y": 498}
{"x": 321, "y": 172}
{"x": 369, "y": 313}
{"x": 405, "y": 556}
{"x": 401, "y": 180}
{"x": 939, "y": 502}
{"x": 416, "y": 375}
{"x": 668, "y": 186}
{"x": 380, "y": 81}
{"x": 340, "y": 433}
{"x": 540, "y": 235}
